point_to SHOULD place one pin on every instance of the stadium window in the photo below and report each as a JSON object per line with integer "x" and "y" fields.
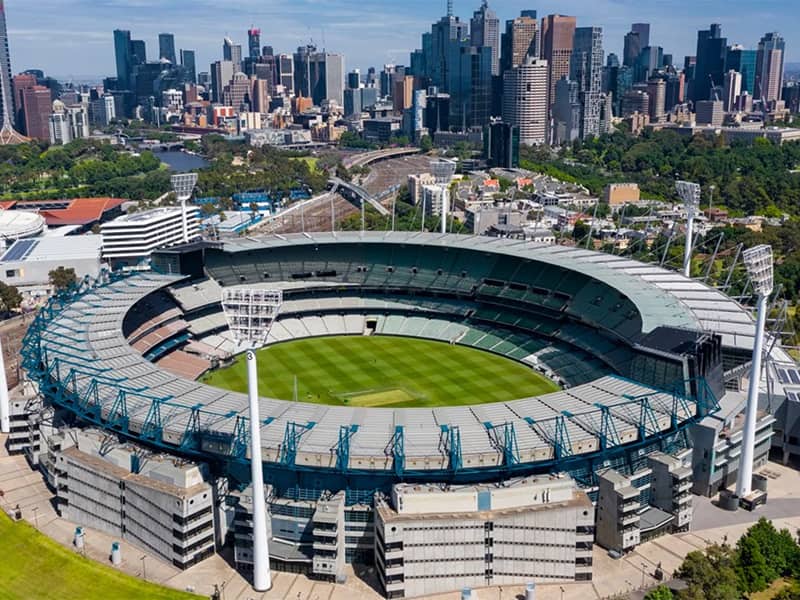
{"x": 414, "y": 270}
{"x": 463, "y": 273}
{"x": 439, "y": 272}
{"x": 266, "y": 276}
{"x": 390, "y": 269}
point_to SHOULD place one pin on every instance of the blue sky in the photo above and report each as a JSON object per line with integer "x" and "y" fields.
{"x": 73, "y": 38}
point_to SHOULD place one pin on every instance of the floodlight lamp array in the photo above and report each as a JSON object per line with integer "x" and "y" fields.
{"x": 183, "y": 185}
{"x": 759, "y": 264}
{"x": 250, "y": 313}
{"x": 443, "y": 170}
{"x": 690, "y": 195}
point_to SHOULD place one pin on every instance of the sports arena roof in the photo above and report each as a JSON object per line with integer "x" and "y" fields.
{"x": 663, "y": 297}
{"x": 83, "y": 347}
{"x": 77, "y": 211}
{"x": 16, "y": 224}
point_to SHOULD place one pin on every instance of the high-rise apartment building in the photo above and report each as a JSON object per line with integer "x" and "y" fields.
{"x": 166, "y": 47}
{"x": 558, "y": 33}
{"x": 403, "y": 95}
{"x": 8, "y": 135}
{"x": 520, "y": 40}
{"x": 485, "y": 31}
{"x": 254, "y": 42}
{"x": 232, "y": 53}
{"x": 525, "y": 101}
{"x": 586, "y": 68}
{"x": 710, "y": 68}
{"x": 189, "y": 63}
{"x": 769, "y": 67}
{"x": 657, "y": 92}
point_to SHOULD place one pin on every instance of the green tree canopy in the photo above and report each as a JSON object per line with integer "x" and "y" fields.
{"x": 62, "y": 277}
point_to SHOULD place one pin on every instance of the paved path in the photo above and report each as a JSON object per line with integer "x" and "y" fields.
{"x": 25, "y": 487}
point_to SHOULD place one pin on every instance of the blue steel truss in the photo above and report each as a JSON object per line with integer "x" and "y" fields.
{"x": 291, "y": 437}
{"x": 450, "y": 442}
{"x": 505, "y": 439}
{"x": 343, "y": 447}
{"x": 608, "y": 431}
{"x": 398, "y": 448}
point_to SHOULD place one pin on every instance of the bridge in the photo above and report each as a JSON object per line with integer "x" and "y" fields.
{"x": 355, "y": 193}
{"x": 366, "y": 158}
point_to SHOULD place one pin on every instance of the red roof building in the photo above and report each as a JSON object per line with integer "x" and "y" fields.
{"x": 81, "y": 212}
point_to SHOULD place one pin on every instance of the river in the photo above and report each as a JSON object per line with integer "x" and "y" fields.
{"x": 180, "y": 161}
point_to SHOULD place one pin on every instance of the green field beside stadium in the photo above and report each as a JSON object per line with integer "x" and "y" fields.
{"x": 34, "y": 567}
{"x": 382, "y": 371}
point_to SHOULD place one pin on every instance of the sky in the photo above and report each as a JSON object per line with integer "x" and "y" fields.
{"x": 72, "y": 39}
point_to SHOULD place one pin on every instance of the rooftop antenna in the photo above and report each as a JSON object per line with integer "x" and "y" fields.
{"x": 449, "y": 8}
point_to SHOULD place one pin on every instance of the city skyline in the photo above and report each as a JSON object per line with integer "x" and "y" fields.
{"x": 80, "y": 45}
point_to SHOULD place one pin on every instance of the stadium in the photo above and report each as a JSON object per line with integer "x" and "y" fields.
{"x": 640, "y": 357}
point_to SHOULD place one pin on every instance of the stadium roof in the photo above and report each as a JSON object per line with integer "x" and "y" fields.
{"x": 77, "y": 211}
{"x": 56, "y": 249}
{"x": 663, "y": 297}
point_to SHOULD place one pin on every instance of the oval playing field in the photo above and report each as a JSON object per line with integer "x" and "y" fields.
{"x": 389, "y": 372}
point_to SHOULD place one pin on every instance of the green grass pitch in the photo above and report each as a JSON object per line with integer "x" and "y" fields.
{"x": 34, "y": 567}
{"x": 382, "y": 371}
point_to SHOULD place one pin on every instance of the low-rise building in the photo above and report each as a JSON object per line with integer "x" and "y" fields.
{"x": 618, "y": 194}
{"x": 434, "y": 539}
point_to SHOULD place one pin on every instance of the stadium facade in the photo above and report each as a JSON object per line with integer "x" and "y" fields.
{"x": 650, "y": 364}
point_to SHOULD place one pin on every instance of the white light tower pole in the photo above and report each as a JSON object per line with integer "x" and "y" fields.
{"x": 758, "y": 261}
{"x": 183, "y": 186}
{"x": 250, "y": 314}
{"x": 443, "y": 171}
{"x": 5, "y": 411}
{"x": 690, "y": 194}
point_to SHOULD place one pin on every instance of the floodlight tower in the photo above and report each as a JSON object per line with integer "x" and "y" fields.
{"x": 443, "y": 171}
{"x": 250, "y": 315}
{"x": 5, "y": 414}
{"x": 690, "y": 194}
{"x": 183, "y": 186}
{"x": 758, "y": 261}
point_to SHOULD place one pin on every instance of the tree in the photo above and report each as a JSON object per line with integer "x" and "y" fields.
{"x": 580, "y": 230}
{"x": 752, "y": 569}
{"x": 709, "y": 576}
{"x": 10, "y": 298}
{"x": 61, "y": 278}
{"x": 662, "y": 592}
{"x": 426, "y": 143}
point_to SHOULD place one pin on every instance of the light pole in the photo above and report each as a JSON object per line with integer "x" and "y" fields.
{"x": 183, "y": 186}
{"x": 250, "y": 314}
{"x": 443, "y": 171}
{"x": 758, "y": 261}
{"x": 711, "y": 201}
{"x": 690, "y": 194}
{"x": 644, "y": 572}
{"x": 144, "y": 567}
{"x": 5, "y": 410}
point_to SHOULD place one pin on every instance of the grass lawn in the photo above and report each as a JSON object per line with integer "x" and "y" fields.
{"x": 311, "y": 161}
{"x": 35, "y": 567}
{"x": 382, "y": 371}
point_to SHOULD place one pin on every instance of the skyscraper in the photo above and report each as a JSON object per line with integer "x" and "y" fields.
{"x": 254, "y": 42}
{"x": 586, "y": 68}
{"x": 525, "y": 100}
{"x": 732, "y": 88}
{"x": 657, "y": 92}
{"x": 319, "y": 75}
{"x": 744, "y": 62}
{"x": 558, "y": 33}
{"x": 37, "y": 104}
{"x": 448, "y": 30}
{"x": 711, "y": 51}
{"x": 188, "y": 62}
{"x": 485, "y": 28}
{"x": 166, "y": 47}
{"x": 233, "y": 53}
{"x": 222, "y": 73}
{"x": 566, "y": 113}
{"x": 643, "y": 31}
{"x": 7, "y": 133}
{"x": 122, "y": 54}
{"x": 769, "y": 67}
{"x": 138, "y": 54}
{"x": 633, "y": 46}
{"x": 520, "y": 40}
{"x": 469, "y": 84}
